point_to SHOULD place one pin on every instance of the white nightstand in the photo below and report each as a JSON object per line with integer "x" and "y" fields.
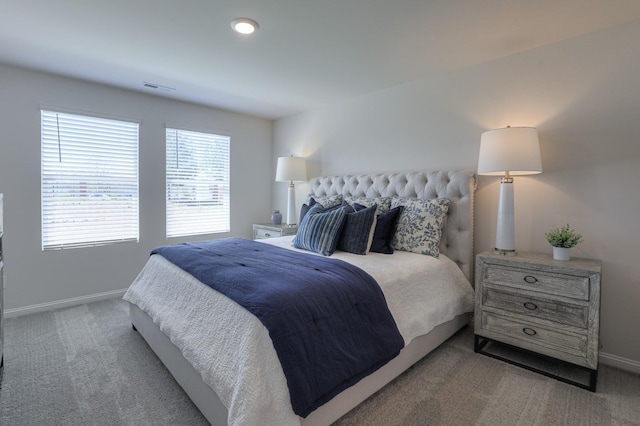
{"x": 268, "y": 230}
{"x": 548, "y": 307}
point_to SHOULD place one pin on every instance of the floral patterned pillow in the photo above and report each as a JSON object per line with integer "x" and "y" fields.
{"x": 325, "y": 201}
{"x": 419, "y": 227}
{"x": 383, "y": 203}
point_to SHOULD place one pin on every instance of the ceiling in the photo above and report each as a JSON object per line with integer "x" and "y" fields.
{"x": 306, "y": 53}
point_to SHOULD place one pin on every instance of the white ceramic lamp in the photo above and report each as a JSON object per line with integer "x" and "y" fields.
{"x": 291, "y": 169}
{"x": 507, "y": 152}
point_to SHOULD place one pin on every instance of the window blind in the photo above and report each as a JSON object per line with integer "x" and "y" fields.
{"x": 198, "y": 200}
{"x": 89, "y": 181}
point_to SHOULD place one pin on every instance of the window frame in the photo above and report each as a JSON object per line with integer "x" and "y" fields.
{"x": 208, "y": 193}
{"x": 93, "y": 199}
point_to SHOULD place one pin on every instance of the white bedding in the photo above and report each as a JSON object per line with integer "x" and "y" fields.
{"x": 232, "y": 349}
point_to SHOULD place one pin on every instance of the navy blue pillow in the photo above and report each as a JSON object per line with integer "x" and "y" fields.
{"x": 305, "y": 208}
{"x": 312, "y": 202}
{"x": 385, "y": 228}
{"x": 357, "y": 229}
{"x": 320, "y": 230}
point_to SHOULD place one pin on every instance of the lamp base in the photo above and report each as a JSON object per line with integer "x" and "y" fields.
{"x": 501, "y": 252}
{"x": 291, "y": 205}
{"x": 505, "y": 229}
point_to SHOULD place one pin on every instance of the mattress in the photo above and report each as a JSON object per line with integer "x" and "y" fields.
{"x": 232, "y": 350}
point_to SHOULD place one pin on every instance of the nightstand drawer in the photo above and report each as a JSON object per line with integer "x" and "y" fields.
{"x": 544, "y": 282}
{"x": 267, "y": 233}
{"x": 268, "y": 230}
{"x": 534, "y": 336}
{"x": 547, "y": 309}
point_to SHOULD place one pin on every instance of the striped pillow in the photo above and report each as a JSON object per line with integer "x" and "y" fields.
{"x": 320, "y": 230}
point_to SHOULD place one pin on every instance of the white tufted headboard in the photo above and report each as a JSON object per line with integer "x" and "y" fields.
{"x": 459, "y": 186}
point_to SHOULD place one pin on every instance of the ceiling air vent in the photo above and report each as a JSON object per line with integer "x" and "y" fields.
{"x": 158, "y": 87}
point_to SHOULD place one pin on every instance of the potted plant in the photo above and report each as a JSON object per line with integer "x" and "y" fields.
{"x": 562, "y": 239}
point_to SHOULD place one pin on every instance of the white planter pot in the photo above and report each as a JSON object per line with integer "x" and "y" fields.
{"x": 561, "y": 253}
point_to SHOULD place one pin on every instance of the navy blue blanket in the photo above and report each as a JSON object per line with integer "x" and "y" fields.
{"x": 328, "y": 320}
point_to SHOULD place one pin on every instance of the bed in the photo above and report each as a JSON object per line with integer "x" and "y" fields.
{"x": 247, "y": 385}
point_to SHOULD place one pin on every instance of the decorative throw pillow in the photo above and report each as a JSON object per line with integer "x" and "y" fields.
{"x": 419, "y": 227}
{"x": 385, "y": 227}
{"x": 305, "y": 207}
{"x": 383, "y": 203}
{"x": 312, "y": 202}
{"x": 359, "y": 227}
{"x": 326, "y": 201}
{"x": 320, "y": 230}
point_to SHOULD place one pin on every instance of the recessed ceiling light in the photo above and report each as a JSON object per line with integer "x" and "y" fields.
{"x": 244, "y": 25}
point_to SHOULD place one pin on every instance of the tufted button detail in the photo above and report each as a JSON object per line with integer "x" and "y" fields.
{"x": 456, "y": 185}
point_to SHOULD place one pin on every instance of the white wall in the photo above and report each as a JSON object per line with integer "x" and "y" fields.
{"x": 582, "y": 94}
{"x": 34, "y": 277}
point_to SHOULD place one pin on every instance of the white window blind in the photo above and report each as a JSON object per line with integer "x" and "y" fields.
{"x": 198, "y": 200}
{"x": 89, "y": 181}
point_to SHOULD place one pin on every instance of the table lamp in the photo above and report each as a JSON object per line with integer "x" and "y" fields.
{"x": 507, "y": 152}
{"x": 291, "y": 169}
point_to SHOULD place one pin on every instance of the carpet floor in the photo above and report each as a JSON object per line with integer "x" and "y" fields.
{"x": 86, "y": 366}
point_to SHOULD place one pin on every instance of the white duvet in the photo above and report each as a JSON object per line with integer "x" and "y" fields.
{"x": 232, "y": 349}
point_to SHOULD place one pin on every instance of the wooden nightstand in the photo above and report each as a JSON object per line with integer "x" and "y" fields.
{"x": 544, "y": 306}
{"x": 267, "y": 230}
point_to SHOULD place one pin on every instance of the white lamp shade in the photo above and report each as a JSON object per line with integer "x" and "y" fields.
{"x": 512, "y": 149}
{"x": 291, "y": 169}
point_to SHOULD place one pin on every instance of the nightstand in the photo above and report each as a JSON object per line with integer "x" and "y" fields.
{"x": 268, "y": 230}
{"x": 532, "y": 304}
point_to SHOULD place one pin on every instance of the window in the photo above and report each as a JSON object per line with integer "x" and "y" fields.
{"x": 197, "y": 183}
{"x": 89, "y": 181}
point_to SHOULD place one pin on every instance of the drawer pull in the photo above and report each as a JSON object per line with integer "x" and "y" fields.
{"x": 530, "y": 279}
{"x": 529, "y": 331}
{"x": 530, "y": 306}
{"x": 266, "y": 234}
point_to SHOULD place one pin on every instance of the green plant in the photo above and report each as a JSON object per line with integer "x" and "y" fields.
{"x": 563, "y": 237}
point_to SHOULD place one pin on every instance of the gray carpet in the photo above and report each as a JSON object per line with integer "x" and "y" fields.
{"x": 86, "y": 366}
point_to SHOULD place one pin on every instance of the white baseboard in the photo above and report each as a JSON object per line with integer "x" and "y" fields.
{"x": 619, "y": 362}
{"x": 65, "y": 303}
